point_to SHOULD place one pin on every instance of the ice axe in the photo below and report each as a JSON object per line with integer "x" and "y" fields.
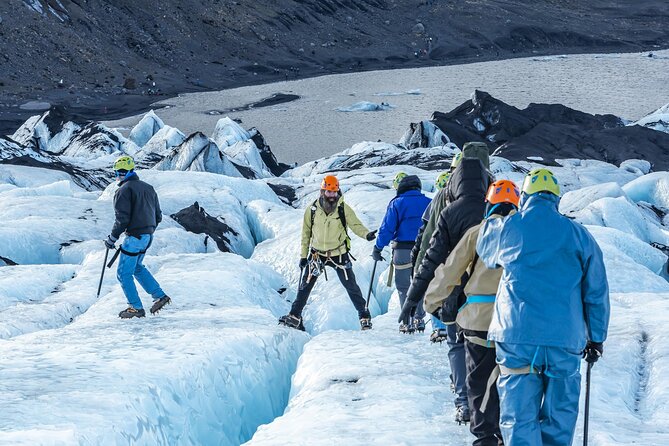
{"x": 371, "y": 283}
{"x": 587, "y": 404}
{"x": 114, "y": 257}
{"x": 102, "y": 274}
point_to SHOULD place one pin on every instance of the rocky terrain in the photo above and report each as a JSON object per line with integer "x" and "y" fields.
{"x": 102, "y": 60}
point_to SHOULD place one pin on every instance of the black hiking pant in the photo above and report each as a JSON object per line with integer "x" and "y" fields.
{"x": 341, "y": 264}
{"x": 480, "y": 366}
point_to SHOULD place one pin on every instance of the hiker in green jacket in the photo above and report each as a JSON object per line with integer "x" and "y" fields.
{"x": 325, "y": 242}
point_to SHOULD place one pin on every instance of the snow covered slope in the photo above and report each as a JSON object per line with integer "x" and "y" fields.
{"x": 215, "y": 368}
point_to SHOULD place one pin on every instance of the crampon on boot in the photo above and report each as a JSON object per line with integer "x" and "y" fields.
{"x": 158, "y": 304}
{"x": 439, "y": 335}
{"x": 419, "y": 325}
{"x": 406, "y": 328}
{"x": 131, "y": 312}
{"x": 365, "y": 323}
{"x": 462, "y": 414}
{"x": 292, "y": 321}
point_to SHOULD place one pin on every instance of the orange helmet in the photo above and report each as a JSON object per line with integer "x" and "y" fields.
{"x": 503, "y": 191}
{"x": 331, "y": 183}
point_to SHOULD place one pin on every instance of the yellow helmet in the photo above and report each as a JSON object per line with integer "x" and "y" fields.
{"x": 541, "y": 180}
{"x": 398, "y": 179}
{"x": 124, "y": 163}
{"x": 455, "y": 162}
{"x": 442, "y": 180}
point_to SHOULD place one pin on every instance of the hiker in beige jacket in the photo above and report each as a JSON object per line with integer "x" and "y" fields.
{"x": 473, "y": 316}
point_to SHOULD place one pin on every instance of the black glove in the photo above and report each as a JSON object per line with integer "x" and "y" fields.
{"x": 376, "y": 255}
{"x": 303, "y": 262}
{"x": 408, "y": 310}
{"x": 371, "y": 235}
{"x": 593, "y": 351}
{"x": 110, "y": 242}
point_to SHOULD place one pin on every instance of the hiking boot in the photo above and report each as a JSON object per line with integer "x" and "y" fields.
{"x": 131, "y": 312}
{"x": 419, "y": 325}
{"x": 439, "y": 335}
{"x": 158, "y": 304}
{"x": 462, "y": 414}
{"x": 406, "y": 328}
{"x": 292, "y": 321}
{"x": 365, "y": 323}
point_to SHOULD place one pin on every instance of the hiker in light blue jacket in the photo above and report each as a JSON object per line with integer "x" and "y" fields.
{"x": 552, "y": 307}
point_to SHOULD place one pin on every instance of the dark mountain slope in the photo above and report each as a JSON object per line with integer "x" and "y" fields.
{"x": 107, "y": 59}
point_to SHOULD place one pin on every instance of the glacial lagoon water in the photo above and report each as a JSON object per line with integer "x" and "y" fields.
{"x": 628, "y": 85}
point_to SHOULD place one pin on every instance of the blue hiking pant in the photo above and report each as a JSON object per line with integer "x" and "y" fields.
{"x": 456, "y": 358}
{"x": 131, "y": 267}
{"x": 539, "y": 395}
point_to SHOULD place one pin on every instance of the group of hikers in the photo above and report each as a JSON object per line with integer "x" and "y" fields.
{"x": 517, "y": 290}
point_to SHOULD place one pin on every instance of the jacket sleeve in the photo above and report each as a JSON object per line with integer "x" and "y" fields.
{"x": 353, "y": 222}
{"x": 595, "y": 290}
{"x": 306, "y": 233}
{"x": 427, "y": 234}
{"x": 435, "y": 255}
{"x": 159, "y": 212}
{"x": 122, "y": 211}
{"x": 449, "y": 275}
{"x": 388, "y": 227}
{"x": 415, "y": 251}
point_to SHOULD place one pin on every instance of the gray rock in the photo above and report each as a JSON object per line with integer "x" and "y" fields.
{"x": 418, "y": 28}
{"x": 130, "y": 83}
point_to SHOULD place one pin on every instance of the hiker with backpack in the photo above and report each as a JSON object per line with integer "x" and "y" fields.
{"x": 552, "y": 307}
{"x": 399, "y": 227}
{"x": 137, "y": 213}
{"x": 439, "y": 331}
{"x": 472, "y": 311}
{"x": 325, "y": 242}
{"x": 463, "y": 207}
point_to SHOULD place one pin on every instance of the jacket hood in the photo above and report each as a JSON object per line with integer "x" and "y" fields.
{"x": 539, "y": 199}
{"x": 470, "y": 179}
{"x": 477, "y": 150}
{"x": 410, "y": 182}
{"x": 130, "y": 176}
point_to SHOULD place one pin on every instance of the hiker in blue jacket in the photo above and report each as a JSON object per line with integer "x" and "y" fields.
{"x": 552, "y": 307}
{"x": 400, "y": 225}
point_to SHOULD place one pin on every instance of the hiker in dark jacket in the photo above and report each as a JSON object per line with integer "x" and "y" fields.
{"x": 466, "y": 191}
{"x": 400, "y": 225}
{"x": 137, "y": 212}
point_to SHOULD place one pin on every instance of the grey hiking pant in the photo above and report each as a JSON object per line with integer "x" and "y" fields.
{"x": 402, "y": 259}
{"x": 456, "y": 358}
